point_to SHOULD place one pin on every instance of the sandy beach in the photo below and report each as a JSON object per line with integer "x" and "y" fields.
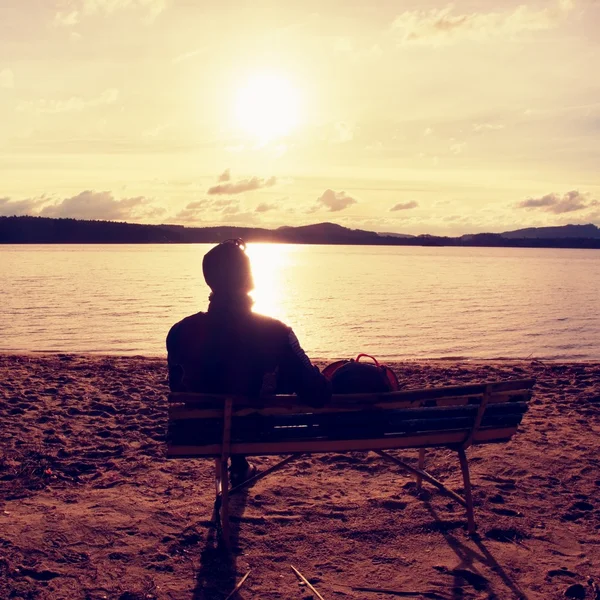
{"x": 91, "y": 509}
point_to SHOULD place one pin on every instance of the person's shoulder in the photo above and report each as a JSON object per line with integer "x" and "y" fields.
{"x": 189, "y": 322}
{"x": 270, "y": 323}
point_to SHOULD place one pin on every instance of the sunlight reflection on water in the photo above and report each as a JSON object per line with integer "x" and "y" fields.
{"x": 394, "y": 302}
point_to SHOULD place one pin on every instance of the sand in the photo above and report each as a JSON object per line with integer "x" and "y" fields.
{"x": 90, "y": 508}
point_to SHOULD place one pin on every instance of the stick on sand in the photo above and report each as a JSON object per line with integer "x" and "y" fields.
{"x": 238, "y": 586}
{"x": 302, "y": 578}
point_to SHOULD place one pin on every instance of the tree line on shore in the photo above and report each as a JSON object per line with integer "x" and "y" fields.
{"x": 41, "y": 230}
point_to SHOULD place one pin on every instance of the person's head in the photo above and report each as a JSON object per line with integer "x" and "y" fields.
{"x": 227, "y": 269}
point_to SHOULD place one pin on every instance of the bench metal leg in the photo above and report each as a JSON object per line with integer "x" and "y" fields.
{"x": 467, "y": 501}
{"x": 464, "y": 467}
{"x": 221, "y": 507}
{"x": 425, "y": 475}
{"x": 225, "y": 502}
{"x": 217, "y": 507}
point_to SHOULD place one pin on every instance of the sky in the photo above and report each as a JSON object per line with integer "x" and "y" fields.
{"x": 405, "y": 116}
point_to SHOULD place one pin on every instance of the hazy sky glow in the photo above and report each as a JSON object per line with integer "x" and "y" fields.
{"x": 416, "y": 117}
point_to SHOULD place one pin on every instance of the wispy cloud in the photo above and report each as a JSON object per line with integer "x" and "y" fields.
{"x": 7, "y": 79}
{"x": 243, "y": 185}
{"x": 557, "y": 204}
{"x": 81, "y": 9}
{"x": 66, "y": 18}
{"x": 224, "y": 176}
{"x": 480, "y": 127}
{"x": 445, "y": 25}
{"x": 187, "y": 56}
{"x": 343, "y": 132}
{"x": 72, "y": 104}
{"x": 457, "y": 147}
{"x": 265, "y": 207}
{"x": 404, "y": 206}
{"x": 334, "y": 201}
{"x": 205, "y": 210}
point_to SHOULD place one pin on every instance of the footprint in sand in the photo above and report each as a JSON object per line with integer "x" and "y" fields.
{"x": 505, "y": 534}
{"x": 582, "y": 505}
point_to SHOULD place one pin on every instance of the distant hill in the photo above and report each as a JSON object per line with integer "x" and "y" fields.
{"x": 565, "y": 231}
{"x": 40, "y": 230}
{"x": 399, "y": 235}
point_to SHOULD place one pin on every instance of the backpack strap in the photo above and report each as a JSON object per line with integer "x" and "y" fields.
{"x": 367, "y": 356}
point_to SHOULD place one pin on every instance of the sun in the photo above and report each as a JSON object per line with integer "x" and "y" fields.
{"x": 267, "y": 107}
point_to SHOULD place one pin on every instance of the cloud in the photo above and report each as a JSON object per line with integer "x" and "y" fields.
{"x": 404, "y": 206}
{"x": 479, "y": 127}
{"x": 67, "y": 18}
{"x": 244, "y": 185}
{"x": 191, "y": 213}
{"x": 224, "y": 176}
{"x": 557, "y": 204}
{"x": 86, "y": 205}
{"x": 343, "y": 133}
{"x": 264, "y": 207}
{"x": 202, "y": 209}
{"x": 155, "y": 131}
{"x": 73, "y": 104}
{"x": 81, "y": 9}
{"x": 197, "y": 205}
{"x": 187, "y": 55}
{"x": 222, "y": 203}
{"x": 335, "y": 201}
{"x": 103, "y": 206}
{"x": 457, "y": 147}
{"x": 443, "y": 25}
{"x": 7, "y": 79}
{"x": 230, "y": 210}
{"x": 19, "y": 208}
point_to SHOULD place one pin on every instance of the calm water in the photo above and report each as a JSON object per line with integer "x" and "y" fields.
{"x": 394, "y": 302}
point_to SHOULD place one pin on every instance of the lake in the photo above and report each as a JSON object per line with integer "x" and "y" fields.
{"x": 393, "y": 302}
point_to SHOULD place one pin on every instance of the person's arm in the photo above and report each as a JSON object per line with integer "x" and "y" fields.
{"x": 175, "y": 369}
{"x": 297, "y": 374}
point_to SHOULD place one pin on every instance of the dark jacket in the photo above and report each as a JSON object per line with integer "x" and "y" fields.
{"x": 230, "y": 349}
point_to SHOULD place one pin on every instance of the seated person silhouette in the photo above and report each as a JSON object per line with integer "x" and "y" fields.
{"x": 231, "y": 350}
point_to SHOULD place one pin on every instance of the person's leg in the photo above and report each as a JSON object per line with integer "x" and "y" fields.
{"x": 239, "y": 464}
{"x": 240, "y": 469}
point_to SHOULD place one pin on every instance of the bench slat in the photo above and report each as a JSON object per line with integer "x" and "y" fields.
{"x": 191, "y": 410}
{"x": 421, "y": 395}
{"x": 255, "y": 423}
{"x": 448, "y": 438}
{"x": 354, "y": 425}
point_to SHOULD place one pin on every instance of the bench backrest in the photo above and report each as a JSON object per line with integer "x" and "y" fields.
{"x": 200, "y": 424}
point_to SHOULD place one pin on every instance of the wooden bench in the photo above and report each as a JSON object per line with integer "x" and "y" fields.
{"x": 204, "y": 425}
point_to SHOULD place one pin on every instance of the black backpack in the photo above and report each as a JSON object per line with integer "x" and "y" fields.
{"x": 353, "y": 377}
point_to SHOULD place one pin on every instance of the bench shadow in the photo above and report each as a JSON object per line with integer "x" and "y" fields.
{"x": 217, "y": 575}
{"x": 468, "y": 557}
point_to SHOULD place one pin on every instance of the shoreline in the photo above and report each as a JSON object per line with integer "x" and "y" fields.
{"x": 90, "y": 508}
